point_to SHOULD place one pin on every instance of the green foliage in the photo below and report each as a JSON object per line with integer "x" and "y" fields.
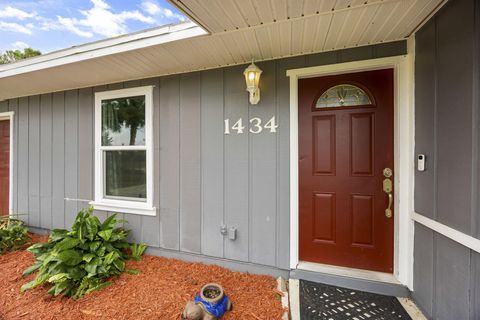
{"x": 15, "y": 55}
{"x": 77, "y": 262}
{"x": 138, "y": 250}
{"x": 13, "y": 234}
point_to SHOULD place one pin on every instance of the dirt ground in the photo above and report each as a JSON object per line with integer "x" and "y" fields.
{"x": 160, "y": 291}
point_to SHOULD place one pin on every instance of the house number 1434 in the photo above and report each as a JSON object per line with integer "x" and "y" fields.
{"x": 255, "y": 126}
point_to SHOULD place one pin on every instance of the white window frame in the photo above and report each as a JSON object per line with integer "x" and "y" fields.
{"x": 124, "y": 205}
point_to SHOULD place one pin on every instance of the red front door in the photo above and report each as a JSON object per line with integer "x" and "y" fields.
{"x": 4, "y": 166}
{"x": 345, "y": 144}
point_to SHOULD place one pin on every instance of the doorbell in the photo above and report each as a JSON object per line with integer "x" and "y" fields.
{"x": 421, "y": 162}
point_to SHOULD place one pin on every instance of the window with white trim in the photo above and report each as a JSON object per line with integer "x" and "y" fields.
{"x": 123, "y": 151}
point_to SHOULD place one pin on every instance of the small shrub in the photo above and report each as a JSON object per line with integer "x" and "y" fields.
{"x": 138, "y": 250}
{"x": 79, "y": 261}
{"x": 13, "y": 234}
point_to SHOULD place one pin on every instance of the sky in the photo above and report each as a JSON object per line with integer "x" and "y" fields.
{"x": 50, "y": 25}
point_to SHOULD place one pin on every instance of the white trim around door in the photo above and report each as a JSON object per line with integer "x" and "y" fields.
{"x": 9, "y": 116}
{"x": 403, "y": 146}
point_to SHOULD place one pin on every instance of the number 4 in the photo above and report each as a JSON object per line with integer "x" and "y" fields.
{"x": 271, "y": 124}
{"x": 238, "y": 126}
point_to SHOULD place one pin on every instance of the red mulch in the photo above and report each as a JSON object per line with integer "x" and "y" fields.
{"x": 160, "y": 291}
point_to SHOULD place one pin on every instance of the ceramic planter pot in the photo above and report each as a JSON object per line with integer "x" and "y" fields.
{"x": 210, "y": 304}
{"x": 212, "y": 293}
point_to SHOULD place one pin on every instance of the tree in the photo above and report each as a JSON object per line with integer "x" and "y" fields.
{"x": 15, "y": 55}
{"x": 134, "y": 117}
{"x": 119, "y": 114}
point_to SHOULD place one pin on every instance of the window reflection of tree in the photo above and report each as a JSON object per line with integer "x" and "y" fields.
{"x": 119, "y": 114}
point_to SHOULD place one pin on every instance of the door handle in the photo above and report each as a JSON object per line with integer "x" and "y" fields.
{"x": 387, "y": 188}
{"x": 388, "y": 211}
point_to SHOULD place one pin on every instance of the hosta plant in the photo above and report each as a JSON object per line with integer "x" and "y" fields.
{"x": 77, "y": 262}
{"x": 13, "y": 234}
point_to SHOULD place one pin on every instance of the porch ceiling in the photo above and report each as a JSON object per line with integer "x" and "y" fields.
{"x": 239, "y": 31}
{"x": 333, "y": 23}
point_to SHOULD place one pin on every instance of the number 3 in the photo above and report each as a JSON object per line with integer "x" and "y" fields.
{"x": 257, "y": 126}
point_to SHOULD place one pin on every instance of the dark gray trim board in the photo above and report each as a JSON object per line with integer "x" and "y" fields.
{"x": 225, "y": 263}
{"x": 389, "y": 289}
{"x": 40, "y": 231}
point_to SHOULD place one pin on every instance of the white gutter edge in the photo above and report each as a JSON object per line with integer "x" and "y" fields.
{"x": 104, "y": 48}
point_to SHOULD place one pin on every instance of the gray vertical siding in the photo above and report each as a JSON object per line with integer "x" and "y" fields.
{"x": 46, "y": 175}
{"x": 212, "y": 141}
{"x": 85, "y": 146}
{"x": 263, "y": 175}
{"x": 58, "y": 160}
{"x": 202, "y": 178}
{"x": 236, "y": 162}
{"x": 71, "y": 155}
{"x": 169, "y": 163}
{"x": 33, "y": 160}
{"x": 447, "y": 109}
{"x": 190, "y": 163}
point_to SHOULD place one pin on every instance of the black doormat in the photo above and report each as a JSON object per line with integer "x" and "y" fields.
{"x": 324, "y": 302}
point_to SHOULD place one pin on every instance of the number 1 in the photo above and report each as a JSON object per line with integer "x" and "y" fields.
{"x": 227, "y": 126}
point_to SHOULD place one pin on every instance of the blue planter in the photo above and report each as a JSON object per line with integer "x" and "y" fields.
{"x": 215, "y": 306}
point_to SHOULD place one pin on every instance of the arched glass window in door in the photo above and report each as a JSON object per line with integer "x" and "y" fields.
{"x": 343, "y": 95}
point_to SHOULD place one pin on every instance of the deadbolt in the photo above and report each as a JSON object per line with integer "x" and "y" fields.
{"x": 387, "y": 172}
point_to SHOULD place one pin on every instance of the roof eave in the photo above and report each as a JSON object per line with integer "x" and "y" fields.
{"x": 105, "y": 47}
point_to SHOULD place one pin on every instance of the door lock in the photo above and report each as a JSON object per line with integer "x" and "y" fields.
{"x": 387, "y": 173}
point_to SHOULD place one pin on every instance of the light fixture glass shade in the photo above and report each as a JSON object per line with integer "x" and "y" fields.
{"x": 252, "y": 79}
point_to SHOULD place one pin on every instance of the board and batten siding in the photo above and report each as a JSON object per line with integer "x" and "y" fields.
{"x": 447, "y": 95}
{"x": 203, "y": 179}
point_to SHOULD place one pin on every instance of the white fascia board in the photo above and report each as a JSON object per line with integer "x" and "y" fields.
{"x": 104, "y": 48}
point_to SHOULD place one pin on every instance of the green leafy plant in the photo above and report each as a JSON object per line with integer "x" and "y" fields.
{"x": 13, "y": 234}
{"x": 77, "y": 262}
{"x": 138, "y": 250}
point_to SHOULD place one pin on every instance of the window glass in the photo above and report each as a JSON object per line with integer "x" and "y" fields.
{"x": 123, "y": 121}
{"x": 125, "y": 174}
{"x": 344, "y": 95}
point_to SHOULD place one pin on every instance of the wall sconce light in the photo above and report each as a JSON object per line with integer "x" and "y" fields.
{"x": 252, "y": 78}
